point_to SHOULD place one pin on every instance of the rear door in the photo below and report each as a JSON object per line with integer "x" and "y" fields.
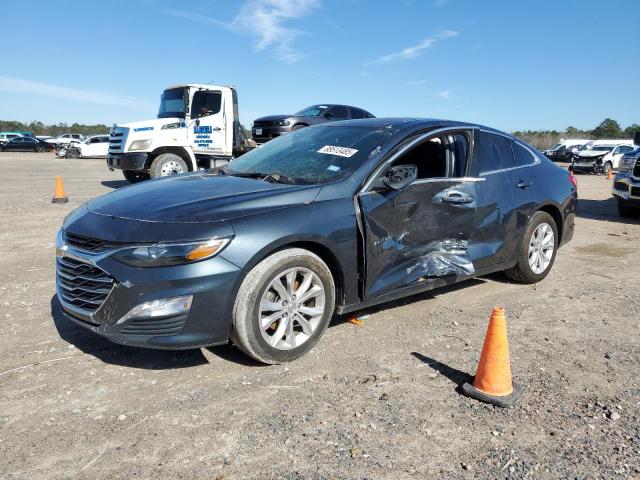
{"x": 422, "y": 231}
{"x": 207, "y": 124}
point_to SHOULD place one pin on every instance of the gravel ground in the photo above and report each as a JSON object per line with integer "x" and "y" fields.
{"x": 375, "y": 401}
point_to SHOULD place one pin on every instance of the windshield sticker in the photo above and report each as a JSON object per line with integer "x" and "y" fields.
{"x": 333, "y": 168}
{"x": 340, "y": 151}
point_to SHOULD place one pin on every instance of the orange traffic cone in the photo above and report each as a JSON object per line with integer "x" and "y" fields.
{"x": 492, "y": 383}
{"x": 58, "y": 195}
{"x": 610, "y": 175}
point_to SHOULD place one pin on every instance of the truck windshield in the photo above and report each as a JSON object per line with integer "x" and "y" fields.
{"x": 313, "y": 155}
{"x": 172, "y": 103}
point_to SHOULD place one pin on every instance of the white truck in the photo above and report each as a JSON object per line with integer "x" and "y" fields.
{"x": 197, "y": 127}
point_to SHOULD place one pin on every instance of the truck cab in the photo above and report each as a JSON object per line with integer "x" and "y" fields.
{"x": 197, "y": 127}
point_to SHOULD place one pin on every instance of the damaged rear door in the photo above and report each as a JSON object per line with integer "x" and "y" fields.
{"x": 421, "y": 231}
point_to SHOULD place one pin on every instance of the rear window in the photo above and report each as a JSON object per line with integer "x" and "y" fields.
{"x": 492, "y": 152}
{"x": 521, "y": 155}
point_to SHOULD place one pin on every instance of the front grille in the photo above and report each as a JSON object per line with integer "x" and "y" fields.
{"x": 264, "y": 123}
{"x": 620, "y": 186}
{"x": 81, "y": 284}
{"x": 636, "y": 170}
{"x": 89, "y": 244}
{"x": 117, "y": 140}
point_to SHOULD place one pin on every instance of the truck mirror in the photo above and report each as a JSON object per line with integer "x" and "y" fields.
{"x": 198, "y": 122}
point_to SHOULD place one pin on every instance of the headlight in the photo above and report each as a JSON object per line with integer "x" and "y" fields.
{"x": 140, "y": 144}
{"x": 626, "y": 164}
{"x": 284, "y": 123}
{"x": 171, "y": 125}
{"x": 168, "y": 254}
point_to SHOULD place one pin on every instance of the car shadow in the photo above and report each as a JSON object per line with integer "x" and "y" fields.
{"x": 115, "y": 184}
{"x": 606, "y": 210}
{"x": 114, "y": 354}
{"x": 456, "y": 376}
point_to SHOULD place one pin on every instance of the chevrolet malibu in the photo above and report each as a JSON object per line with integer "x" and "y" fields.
{"x": 329, "y": 219}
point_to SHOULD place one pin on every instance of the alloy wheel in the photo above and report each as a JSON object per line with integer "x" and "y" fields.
{"x": 291, "y": 308}
{"x": 541, "y": 247}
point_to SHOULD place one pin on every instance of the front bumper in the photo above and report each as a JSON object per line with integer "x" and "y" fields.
{"x": 211, "y": 282}
{"x": 265, "y": 133}
{"x": 587, "y": 166}
{"x": 626, "y": 189}
{"x": 136, "y": 162}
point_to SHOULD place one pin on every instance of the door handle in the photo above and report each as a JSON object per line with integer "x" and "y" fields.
{"x": 523, "y": 184}
{"x": 457, "y": 198}
{"x": 216, "y": 129}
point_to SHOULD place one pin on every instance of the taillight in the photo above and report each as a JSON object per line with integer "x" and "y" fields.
{"x": 573, "y": 179}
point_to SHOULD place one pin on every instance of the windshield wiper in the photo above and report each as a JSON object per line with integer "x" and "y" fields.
{"x": 275, "y": 176}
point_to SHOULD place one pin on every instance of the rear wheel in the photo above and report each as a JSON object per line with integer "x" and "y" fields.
{"x": 626, "y": 211}
{"x": 537, "y": 250}
{"x": 135, "y": 177}
{"x": 167, "y": 164}
{"x": 283, "y": 306}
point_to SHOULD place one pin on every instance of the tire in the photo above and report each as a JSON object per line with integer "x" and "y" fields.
{"x": 607, "y": 168}
{"x": 298, "y": 127}
{"x": 626, "y": 211}
{"x": 167, "y": 164}
{"x": 72, "y": 153}
{"x": 135, "y": 177}
{"x": 275, "y": 343}
{"x": 523, "y": 271}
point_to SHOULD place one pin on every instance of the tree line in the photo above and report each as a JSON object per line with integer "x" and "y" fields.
{"x": 39, "y": 128}
{"x": 608, "y": 128}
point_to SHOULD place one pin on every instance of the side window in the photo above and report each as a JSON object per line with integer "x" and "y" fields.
{"x": 339, "y": 112}
{"x": 521, "y": 155}
{"x": 624, "y": 149}
{"x": 438, "y": 157}
{"x": 205, "y": 103}
{"x": 368, "y": 115}
{"x": 357, "y": 113}
{"x": 492, "y": 152}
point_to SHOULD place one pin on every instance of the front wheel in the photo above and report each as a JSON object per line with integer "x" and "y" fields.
{"x": 283, "y": 306}
{"x": 135, "y": 177}
{"x": 537, "y": 250}
{"x": 607, "y": 168}
{"x": 167, "y": 164}
{"x": 72, "y": 153}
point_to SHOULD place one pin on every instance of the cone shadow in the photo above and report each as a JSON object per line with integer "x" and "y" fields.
{"x": 456, "y": 376}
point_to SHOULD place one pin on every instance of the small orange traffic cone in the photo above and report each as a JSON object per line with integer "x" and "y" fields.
{"x": 492, "y": 383}
{"x": 610, "y": 174}
{"x": 58, "y": 195}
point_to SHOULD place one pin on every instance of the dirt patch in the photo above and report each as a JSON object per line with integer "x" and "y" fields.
{"x": 376, "y": 400}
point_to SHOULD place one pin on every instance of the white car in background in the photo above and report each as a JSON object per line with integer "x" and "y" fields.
{"x": 602, "y": 156}
{"x": 96, "y": 146}
{"x": 66, "y": 138}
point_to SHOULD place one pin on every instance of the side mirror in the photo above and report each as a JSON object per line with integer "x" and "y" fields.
{"x": 400, "y": 176}
{"x": 327, "y": 114}
{"x": 198, "y": 122}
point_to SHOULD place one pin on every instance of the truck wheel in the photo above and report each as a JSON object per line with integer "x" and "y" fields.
{"x": 537, "y": 250}
{"x": 167, "y": 164}
{"x": 283, "y": 306}
{"x": 626, "y": 211}
{"x": 135, "y": 177}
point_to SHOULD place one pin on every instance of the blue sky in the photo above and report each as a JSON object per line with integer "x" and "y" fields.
{"x": 508, "y": 64}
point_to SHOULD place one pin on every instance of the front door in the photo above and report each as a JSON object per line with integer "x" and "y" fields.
{"x": 206, "y": 127}
{"x": 421, "y": 232}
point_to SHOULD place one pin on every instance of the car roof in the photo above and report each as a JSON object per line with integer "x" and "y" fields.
{"x": 410, "y": 124}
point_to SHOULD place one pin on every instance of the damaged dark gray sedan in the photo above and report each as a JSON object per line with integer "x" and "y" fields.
{"x": 329, "y": 219}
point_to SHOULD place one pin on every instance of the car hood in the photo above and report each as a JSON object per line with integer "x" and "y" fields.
{"x": 199, "y": 197}
{"x": 272, "y": 118}
{"x": 591, "y": 154}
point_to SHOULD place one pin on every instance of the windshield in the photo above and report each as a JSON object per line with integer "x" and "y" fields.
{"x": 313, "y": 111}
{"x": 555, "y": 147}
{"x": 172, "y": 103}
{"x": 312, "y": 155}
